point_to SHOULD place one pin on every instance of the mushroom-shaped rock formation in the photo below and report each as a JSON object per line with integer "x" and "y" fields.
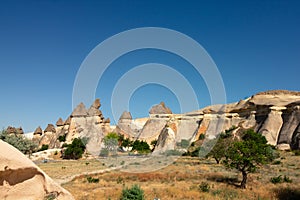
{"x": 20, "y": 178}
{"x": 160, "y": 109}
{"x": 126, "y": 115}
{"x": 93, "y": 111}
{"x": 107, "y": 120}
{"x": 96, "y": 104}
{"x": 68, "y": 121}
{"x": 38, "y": 131}
{"x": 50, "y": 128}
{"x": 80, "y": 111}
{"x": 60, "y": 122}
{"x": 11, "y": 130}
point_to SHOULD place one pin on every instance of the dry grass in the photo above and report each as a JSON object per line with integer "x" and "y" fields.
{"x": 181, "y": 180}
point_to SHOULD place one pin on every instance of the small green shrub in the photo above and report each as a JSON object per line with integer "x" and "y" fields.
{"x": 204, "y": 187}
{"x": 74, "y": 150}
{"x": 202, "y": 136}
{"x": 297, "y": 152}
{"x": 276, "y": 162}
{"x": 62, "y": 138}
{"x": 279, "y": 179}
{"x": 287, "y": 179}
{"x": 276, "y": 179}
{"x": 44, "y": 147}
{"x": 92, "y": 180}
{"x": 133, "y": 193}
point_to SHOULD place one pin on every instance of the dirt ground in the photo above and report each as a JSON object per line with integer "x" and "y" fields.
{"x": 179, "y": 180}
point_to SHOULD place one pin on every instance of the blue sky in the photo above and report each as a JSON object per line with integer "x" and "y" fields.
{"x": 255, "y": 44}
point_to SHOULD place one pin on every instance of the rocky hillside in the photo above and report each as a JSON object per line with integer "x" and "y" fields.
{"x": 275, "y": 114}
{"x": 82, "y": 122}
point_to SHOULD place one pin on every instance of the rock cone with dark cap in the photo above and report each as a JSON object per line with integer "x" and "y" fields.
{"x": 60, "y": 122}
{"x": 50, "y": 128}
{"x": 126, "y": 115}
{"x": 160, "y": 109}
{"x": 38, "y": 131}
{"x": 80, "y": 111}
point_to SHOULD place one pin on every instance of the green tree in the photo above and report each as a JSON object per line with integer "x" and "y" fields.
{"x": 247, "y": 154}
{"x": 221, "y": 146}
{"x": 133, "y": 193}
{"x": 23, "y": 144}
{"x": 74, "y": 150}
{"x": 141, "y": 146}
{"x": 111, "y": 141}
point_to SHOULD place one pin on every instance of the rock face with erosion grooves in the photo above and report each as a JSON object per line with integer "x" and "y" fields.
{"x": 20, "y": 178}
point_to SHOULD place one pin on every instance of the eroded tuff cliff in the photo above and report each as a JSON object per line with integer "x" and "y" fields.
{"x": 275, "y": 114}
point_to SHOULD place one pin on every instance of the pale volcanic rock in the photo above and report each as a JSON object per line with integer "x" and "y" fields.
{"x": 20, "y": 178}
{"x": 160, "y": 109}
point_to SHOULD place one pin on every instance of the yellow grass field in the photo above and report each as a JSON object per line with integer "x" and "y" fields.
{"x": 180, "y": 180}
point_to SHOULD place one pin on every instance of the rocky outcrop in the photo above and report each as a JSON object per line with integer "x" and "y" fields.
{"x": 20, "y": 178}
{"x": 13, "y": 130}
{"x": 38, "y": 131}
{"x": 60, "y": 122}
{"x": 50, "y": 128}
{"x": 79, "y": 111}
{"x": 126, "y": 115}
{"x": 160, "y": 109}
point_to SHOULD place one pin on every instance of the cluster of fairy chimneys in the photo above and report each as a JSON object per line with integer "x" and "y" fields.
{"x": 78, "y": 112}
{"x": 13, "y": 130}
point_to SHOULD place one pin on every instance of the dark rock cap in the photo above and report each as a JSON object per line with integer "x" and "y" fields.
{"x": 60, "y": 122}
{"x": 50, "y": 128}
{"x": 160, "y": 109}
{"x": 126, "y": 115}
{"x": 93, "y": 111}
{"x": 38, "y": 131}
{"x": 96, "y": 104}
{"x": 79, "y": 111}
{"x": 68, "y": 121}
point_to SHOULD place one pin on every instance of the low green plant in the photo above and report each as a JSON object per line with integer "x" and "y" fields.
{"x": 204, "y": 187}
{"x": 276, "y": 179}
{"x": 202, "y": 136}
{"x": 133, "y": 193}
{"x": 74, "y": 150}
{"x": 62, "y": 138}
{"x": 276, "y": 162}
{"x": 92, "y": 180}
{"x": 44, "y": 147}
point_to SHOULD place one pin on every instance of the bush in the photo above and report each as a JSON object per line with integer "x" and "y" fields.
{"x": 297, "y": 152}
{"x": 276, "y": 162}
{"x": 23, "y": 144}
{"x": 204, "y": 187}
{"x": 184, "y": 143}
{"x": 202, "y": 136}
{"x": 62, "y": 138}
{"x": 74, "y": 150}
{"x": 44, "y": 147}
{"x": 141, "y": 147}
{"x": 279, "y": 179}
{"x": 133, "y": 193}
{"x": 92, "y": 180}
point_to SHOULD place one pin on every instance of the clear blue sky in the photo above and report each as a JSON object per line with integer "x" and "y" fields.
{"x": 255, "y": 44}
